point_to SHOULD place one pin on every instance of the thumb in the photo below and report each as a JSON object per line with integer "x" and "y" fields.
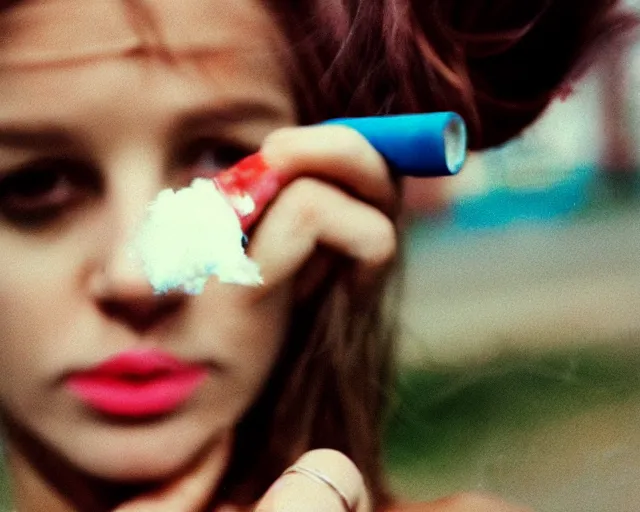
{"x": 320, "y": 481}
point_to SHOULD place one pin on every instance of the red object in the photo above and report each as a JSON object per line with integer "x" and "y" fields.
{"x": 251, "y": 176}
{"x": 137, "y": 384}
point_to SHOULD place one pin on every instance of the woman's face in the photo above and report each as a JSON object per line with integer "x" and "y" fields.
{"x": 95, "y": 119}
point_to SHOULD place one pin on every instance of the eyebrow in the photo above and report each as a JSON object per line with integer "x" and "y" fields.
{"x": 45, "y": 137}
{"x": 231, "y": 114}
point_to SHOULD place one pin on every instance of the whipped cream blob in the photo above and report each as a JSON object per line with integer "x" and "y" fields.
{"x": 190, "y": 235}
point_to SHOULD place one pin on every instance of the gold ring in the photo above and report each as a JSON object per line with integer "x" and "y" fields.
{"x": 314, "y": 474}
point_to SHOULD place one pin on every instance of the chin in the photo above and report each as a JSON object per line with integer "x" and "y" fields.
{"x": 138, "y": 466}
{"x": 137, "y": 454}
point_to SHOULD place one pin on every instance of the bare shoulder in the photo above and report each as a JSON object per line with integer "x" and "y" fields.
{"x": 463, "y": 502}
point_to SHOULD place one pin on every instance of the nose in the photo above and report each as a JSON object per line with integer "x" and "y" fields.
{"x": 141, "y": 315}
{"x": 126, "y": 296}
{"x": 121, "y": 288}
{"x": 123, "y": 294}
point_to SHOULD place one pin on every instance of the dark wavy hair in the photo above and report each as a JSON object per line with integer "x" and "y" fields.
{"x": 497, "y": 62}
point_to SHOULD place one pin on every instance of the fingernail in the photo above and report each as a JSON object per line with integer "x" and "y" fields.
{"x": 250, "y": 185}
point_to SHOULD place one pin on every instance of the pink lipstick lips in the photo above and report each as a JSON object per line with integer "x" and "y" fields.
{"x": 138, "y": 383}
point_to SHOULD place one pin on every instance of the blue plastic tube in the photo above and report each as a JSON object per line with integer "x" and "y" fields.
{"x": 420, "y": 145}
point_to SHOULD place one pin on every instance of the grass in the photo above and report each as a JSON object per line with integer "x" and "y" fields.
{"x": 463, "y": 429}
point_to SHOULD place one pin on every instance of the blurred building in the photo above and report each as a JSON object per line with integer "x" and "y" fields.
{"x": 536, "y": 242}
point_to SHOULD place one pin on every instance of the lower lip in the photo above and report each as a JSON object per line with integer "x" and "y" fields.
{"x": 116, "y": 396}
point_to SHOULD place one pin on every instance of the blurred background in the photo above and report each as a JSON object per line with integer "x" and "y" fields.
{"x": 520, "y": 351}
{"x": 520, "y": 348}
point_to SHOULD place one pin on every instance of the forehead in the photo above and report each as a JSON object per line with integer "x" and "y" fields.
{"x": 37, "y": 32}
{"x": 60, "y": 58}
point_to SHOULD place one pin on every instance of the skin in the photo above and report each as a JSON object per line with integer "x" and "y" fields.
{"x": 81, "y": 83}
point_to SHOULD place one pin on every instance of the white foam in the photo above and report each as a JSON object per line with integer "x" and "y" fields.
{"x": 190, "y": 235}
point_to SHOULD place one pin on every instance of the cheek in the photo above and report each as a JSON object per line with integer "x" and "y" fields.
{"x": 38, "y": 311}
{"x": 247, "y": 331}
{"x": 30, "y": 330}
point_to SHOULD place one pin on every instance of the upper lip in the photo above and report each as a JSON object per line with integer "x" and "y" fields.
{"x": 141, "y": 363}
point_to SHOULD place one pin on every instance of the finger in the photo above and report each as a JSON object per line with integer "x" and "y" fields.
{"x": 320, "y": 481}
{"x": 337, "y": 154}
{"x": 309, "y": 214}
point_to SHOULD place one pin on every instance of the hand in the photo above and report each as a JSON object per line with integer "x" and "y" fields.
{"x": 303, "y": 493}
{"x": 338, "y": 194}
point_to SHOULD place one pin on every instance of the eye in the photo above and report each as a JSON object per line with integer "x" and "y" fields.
{"x": 209, "y": 157}
{"x": 41, "y": 191}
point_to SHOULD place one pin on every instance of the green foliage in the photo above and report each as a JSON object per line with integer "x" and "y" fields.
{"x": 449, "y": 426}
